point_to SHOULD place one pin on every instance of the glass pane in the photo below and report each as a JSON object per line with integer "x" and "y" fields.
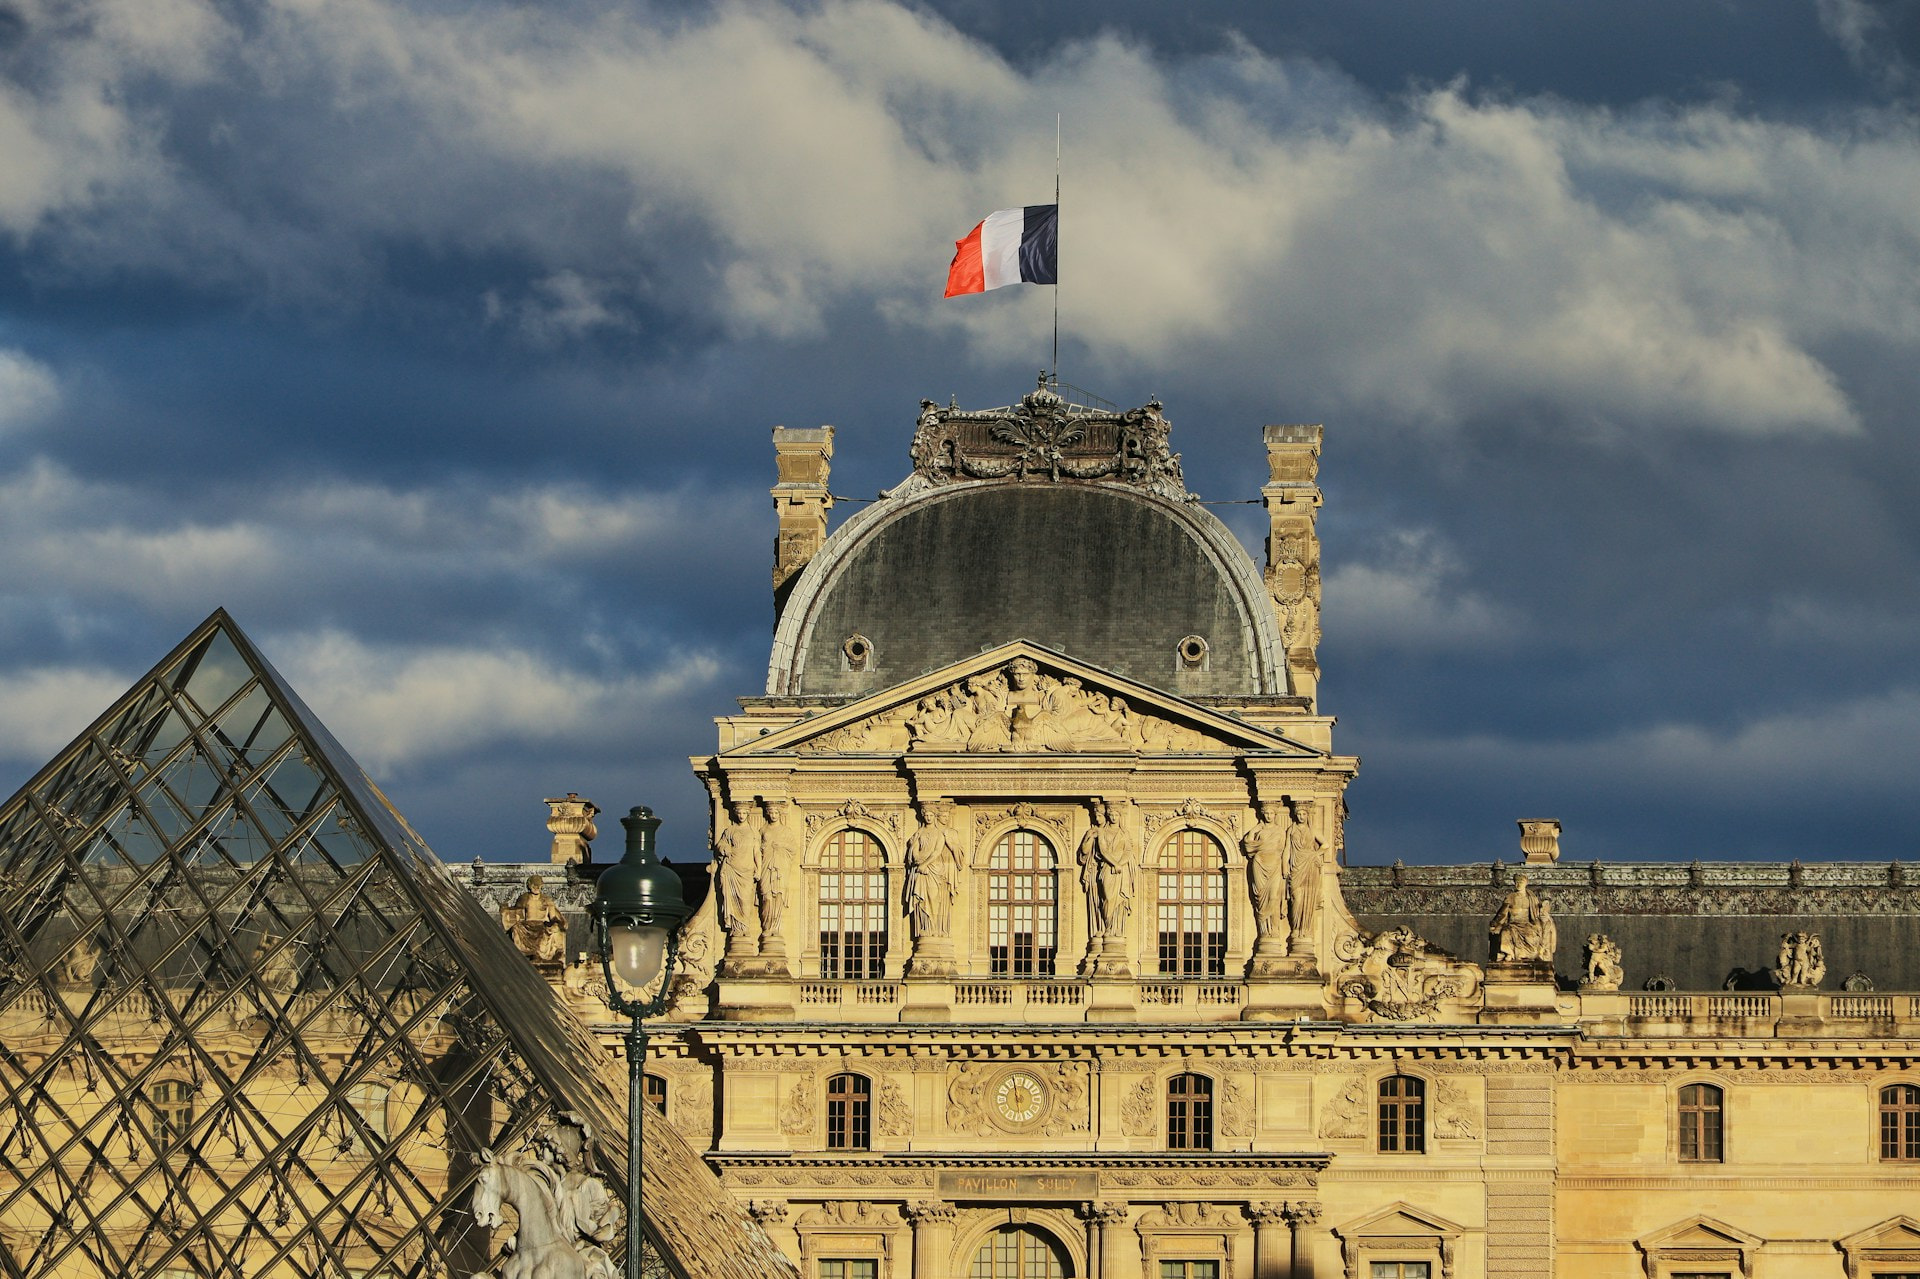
{"x": 211, "y": 675}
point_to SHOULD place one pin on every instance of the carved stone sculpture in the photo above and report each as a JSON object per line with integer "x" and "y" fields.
{"x": 1265, "y": 847}
{"x": 570, "y": 821}
{"x": 80, "y": 963}
{"x": 1106, "y": 875}
{"x": 1043, "y": 437}
{"x": 1018, "y": 707}
{"x": 1304, "y": 856}
{"x": 934, "y": 857}
{"x": 279, "y": 972}
{"x": 736, "y": 870}
{"x": 565, "y": 1218}
{"x": 1284, "y": 863}
{"x": 1802, "y": 965}
{"x": 1523, "y": 930}
{"x": 779, "y": 850}
{"x": 1603, "y": 964}
{"x": 1399, "y": 976}
{"x": 538, "y": 929}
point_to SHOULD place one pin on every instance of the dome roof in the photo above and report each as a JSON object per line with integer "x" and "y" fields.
{"x": 1045, "y": 521}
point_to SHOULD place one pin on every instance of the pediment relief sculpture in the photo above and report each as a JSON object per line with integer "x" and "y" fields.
{"x": 1015, "y": 708}
{"x": 1398, "y": 976}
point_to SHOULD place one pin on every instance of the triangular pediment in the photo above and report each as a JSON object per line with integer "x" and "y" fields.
{"x": 1699, "y": 1232}
{"x": 1902, "y": 1233}
{"x": 1402, "y": 1220}
{"x": 1023, "y": 698}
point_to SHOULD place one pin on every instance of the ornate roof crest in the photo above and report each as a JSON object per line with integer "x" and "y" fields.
{"x": 1044, "y": 437}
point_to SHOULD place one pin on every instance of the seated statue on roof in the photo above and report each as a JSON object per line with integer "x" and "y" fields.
{"x": 538, "y": 928}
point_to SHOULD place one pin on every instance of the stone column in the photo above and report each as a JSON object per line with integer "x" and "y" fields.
{"x": 932, "y": 1236}
{"x": 1301, "y": 1215}
{"x": 1107, "y": 1235}
{"x": 1272, "y": 1241}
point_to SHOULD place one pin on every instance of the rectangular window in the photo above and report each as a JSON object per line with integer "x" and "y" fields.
{"x": 1189, "y": 1270}
{"x": 849, "y": 1268}
{"x": 1401, "y": 1270}
{"x": 1700, "y": 1124}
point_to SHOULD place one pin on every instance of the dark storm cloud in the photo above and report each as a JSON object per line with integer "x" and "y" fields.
{"x": 441, "y": 343}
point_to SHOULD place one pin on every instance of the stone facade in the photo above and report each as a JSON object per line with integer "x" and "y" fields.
{"x": 1034, "y": 951}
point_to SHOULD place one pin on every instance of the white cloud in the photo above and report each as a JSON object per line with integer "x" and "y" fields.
{"x": 396, "y": 706}
{"x": 1433, "y": 260}
{"x": 113, "y": 542}
{"x": 1860, "y": 746}
{"x": 29, "y": 391}
{"x": 42, "y": 708}
{"x": 1409, "y": 595}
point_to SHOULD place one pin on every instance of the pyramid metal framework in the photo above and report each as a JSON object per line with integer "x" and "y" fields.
{"x": 249, "y": 1025}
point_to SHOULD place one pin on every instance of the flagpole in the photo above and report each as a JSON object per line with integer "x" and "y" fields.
{"x": 1056, "y": 251}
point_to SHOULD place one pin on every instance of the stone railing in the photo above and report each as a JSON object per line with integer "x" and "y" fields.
{"x": 1660, "y": 1013}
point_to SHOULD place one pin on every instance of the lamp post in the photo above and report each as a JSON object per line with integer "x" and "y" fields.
{"x": 637, "y": 914}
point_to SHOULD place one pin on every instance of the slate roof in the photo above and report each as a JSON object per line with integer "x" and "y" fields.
{"x": 1703, "y": 926}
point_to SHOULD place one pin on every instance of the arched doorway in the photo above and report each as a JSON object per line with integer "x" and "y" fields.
{"x": 1019, "y": 1252}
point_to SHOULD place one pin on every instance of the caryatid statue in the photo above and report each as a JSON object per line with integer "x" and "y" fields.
{"x": 1524, "y": 931}
{"x": 1304, "y": 856}
{"x": 779, "y": 850}
{"x": 1106, "y": 875}
{"x": 933, "y": 858}
{"x": 1284, "y": 863}
{"x": 1265, "y": 847}
{"x": 736, "y": 870}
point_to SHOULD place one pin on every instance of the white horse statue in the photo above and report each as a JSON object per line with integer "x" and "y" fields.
{"x": 549, "y": 1243}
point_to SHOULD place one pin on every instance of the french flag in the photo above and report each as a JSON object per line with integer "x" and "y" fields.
{"x": 1012, "y": 246}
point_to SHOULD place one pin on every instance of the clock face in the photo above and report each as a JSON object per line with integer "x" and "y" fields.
{"x": 1019, "y": 1098}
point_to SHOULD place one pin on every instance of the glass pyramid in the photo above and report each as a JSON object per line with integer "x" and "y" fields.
{"x": 249, "y": 1025}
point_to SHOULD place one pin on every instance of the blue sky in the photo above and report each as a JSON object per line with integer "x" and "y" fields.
{"x": 440, "y": 342}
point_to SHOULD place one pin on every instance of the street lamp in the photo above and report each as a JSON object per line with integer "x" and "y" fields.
{"x": 637, "y": 914}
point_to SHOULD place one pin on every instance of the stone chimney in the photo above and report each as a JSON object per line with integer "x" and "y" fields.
{"x": 1539, "y": 840}
{"x": 571, "y": 821}
{"x": 803, "y": 458}
{"x": 1293, "y": 547}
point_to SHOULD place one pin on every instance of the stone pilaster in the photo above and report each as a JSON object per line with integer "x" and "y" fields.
{"x": 804, "y": 459}
{"x": 1272, "y": 1241}
{"x": 1109, "y": 1239}
{"x": 932, "y": 1236}
{"x": 1302, "y": 1215}
{"x": 771, "y": 1214}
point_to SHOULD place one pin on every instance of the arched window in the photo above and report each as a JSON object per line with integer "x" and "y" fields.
{"x": 656, "y": 1086}
{"x": 1189, "y": 1113}
{"x": 1700, "y": 1130}
{"x": 1021, "y": 911}
{"x": 849, "y": 1113}
{"x": 1193, "y": 906}
{"x": 173, "y": 1110}
{"x": 1019, "y": 1252}
{"x": 1403, "y": 1115}
{"x": 1900, "y": 1122}
{"x": 853, "y": 907}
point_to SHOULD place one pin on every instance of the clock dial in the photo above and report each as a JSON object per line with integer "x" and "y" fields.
{"x": 1019, "y": 1098}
